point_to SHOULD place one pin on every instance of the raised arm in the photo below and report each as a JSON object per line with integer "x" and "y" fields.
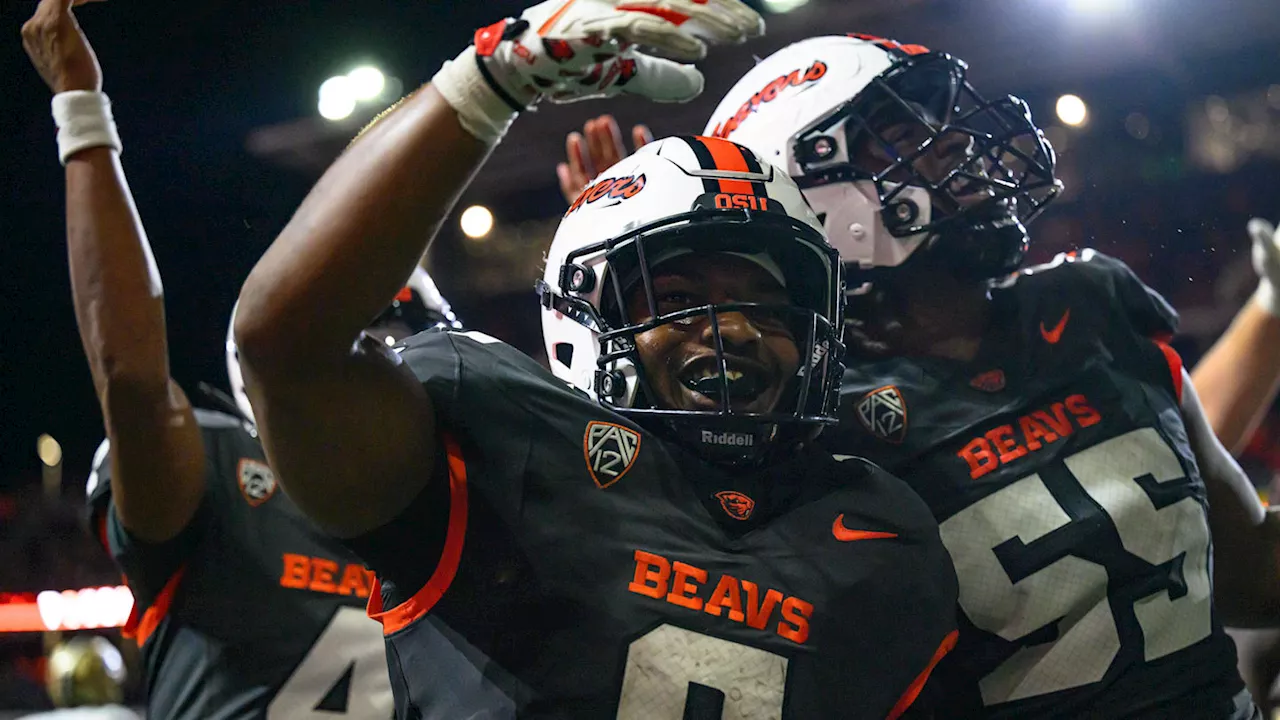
{"x": 157, "y": 472}
{"x": 349, "y": 431}
{"x": 1239, "y": 376}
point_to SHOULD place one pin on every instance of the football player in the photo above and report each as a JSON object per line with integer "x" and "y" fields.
{"x": 649, "y": 533}
{"x": 242, "y": 608}
{"x": 1040, "y": 413}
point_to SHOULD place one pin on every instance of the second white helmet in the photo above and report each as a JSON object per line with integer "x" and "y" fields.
{"x": 810, "y": 106}
{"x": 689, "y": 195}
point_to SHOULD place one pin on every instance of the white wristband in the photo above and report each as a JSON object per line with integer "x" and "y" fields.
{"x": 84, "y": 121}
{"x": 1265, "y": 297}
{"x": 480, "y": 110}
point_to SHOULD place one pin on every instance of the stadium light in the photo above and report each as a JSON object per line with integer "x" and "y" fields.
{"x": 476, "y": 221}
{"x": 367, "y": 83}
{"x": 1100, "y": 8}
{"x": 341, "y": 94}
{"x": 779, "y": 7}
{"x": 101, "y": 607}
{"x": 1072, "y": 110}
{"x": 49, "y": 450}
{"x": 1091, "y": 5}
{"x": 337, "y": 98}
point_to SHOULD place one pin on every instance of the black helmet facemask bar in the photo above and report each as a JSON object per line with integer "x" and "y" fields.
{"x": 1007, "y": 158}
{"x": 806, "y": 402}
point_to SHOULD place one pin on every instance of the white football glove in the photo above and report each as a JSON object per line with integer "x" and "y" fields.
{"x": 1266, "y": 261}
{"x": 569, "y": 50}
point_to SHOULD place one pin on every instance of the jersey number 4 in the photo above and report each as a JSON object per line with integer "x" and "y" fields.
{"x": 1129, "y": 477}
{"x": 344, "y": 675}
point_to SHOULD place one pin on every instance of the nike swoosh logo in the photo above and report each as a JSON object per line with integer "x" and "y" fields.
{"x": 844, "y": 534}
{"x": 1053, "y": 336}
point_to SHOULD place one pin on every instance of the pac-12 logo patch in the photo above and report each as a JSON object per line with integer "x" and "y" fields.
{"x": 884, "y": 413}
{"x": 610, "y": 450}
{"x": 257, "y": 482}
{"x": 735, "y": 504}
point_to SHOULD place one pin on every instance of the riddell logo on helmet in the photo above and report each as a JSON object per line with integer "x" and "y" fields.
{"x": 768, "y": 94}
{"x": 619, "y": 188}
{"x": 731, "y": 439}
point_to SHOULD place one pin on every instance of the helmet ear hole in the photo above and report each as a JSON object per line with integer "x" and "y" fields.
{"x": 564, "y": 354}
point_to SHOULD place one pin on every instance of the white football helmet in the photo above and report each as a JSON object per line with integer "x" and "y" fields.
{"x": 690, "y": 195}
{"x": 418, "y": 306}
{"x": 812, "y": 105}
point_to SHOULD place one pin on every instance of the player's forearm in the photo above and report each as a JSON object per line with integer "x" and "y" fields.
{"x": 356, "y": 237}
{"x": 118, "y": 297}
{"x": 157, "y": 456}
{"x": 1239, "y": 377}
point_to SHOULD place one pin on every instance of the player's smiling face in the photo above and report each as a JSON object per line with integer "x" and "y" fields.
{"x": 679, "y": 357}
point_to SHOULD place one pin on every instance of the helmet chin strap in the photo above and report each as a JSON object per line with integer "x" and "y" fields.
{"x": 981, "y": 251}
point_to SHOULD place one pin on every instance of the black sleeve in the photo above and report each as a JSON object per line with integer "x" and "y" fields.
{"x": 1141, "y": 321}
{"x": 404, "y": 552}
{"x": 1142, "y": 308}
{"x": 480, "y": 389}
{"x": 146, "y": 566}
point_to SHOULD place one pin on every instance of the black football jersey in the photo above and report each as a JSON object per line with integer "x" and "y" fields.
{"x": 567, "y": 563}
{"x": 250, "y": 611}
{"x": 1060, "y": 473}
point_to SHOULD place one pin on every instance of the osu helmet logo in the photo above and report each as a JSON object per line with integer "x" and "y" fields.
{"x": 768, "y": 94}
{"x": 257, "y": 482}
{"x": 610, "y": 450}
{"x": 619, "y": 189}
{"x": 735, "y": 504}
{"x": 884, "y": 413}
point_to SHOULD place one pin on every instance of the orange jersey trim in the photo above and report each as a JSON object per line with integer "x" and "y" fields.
{"x": 546, "y": 26}
{"x": 917, "y": 685}
{"x": 102, "y": 532}
{"x": 142, "y": 629}
{"x": 1172, "y": 357}
{"x": 728, "y": 156}
{"x": 404, "y": 614}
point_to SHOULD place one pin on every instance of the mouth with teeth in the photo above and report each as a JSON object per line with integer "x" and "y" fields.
{"x": 749, "y": 386}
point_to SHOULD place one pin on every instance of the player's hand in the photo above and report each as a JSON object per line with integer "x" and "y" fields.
{"x": 591, "y": 151}
{"x": 1266, "y": 261}
{"x": 59, "y": 50}
{"x": 568, "y": 50}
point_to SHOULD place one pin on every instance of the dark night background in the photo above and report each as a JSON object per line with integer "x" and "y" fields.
{"x": 188, "y": 82}
{"x": 1181, "y": 148}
